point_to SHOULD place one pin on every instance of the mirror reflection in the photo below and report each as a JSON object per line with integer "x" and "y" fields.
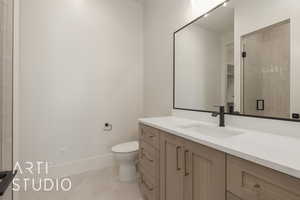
{"x": 247, "y": 63}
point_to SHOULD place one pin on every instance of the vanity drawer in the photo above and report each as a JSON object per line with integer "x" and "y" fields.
{"x": 250, "y": 181}
{"x": 148, "y": 186}
{"x": 149, "y": 135}
{"x": 149, "y": 159}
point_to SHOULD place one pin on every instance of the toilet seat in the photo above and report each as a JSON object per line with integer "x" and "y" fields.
{"x": 126, "y": 147}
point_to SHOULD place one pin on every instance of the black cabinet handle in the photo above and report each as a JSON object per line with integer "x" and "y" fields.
{"x": 178, "y": 148}
{"x": 6, "y": 178}
{"x": 186, "y": 161}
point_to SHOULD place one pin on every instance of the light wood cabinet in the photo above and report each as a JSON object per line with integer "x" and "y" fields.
{"x": 204, "y": 173}
{"x": 173, "y": 168}
{"x": 149, "y": 163}
{"x": 149, "y": 159}
{"x": 250, "y": 181}
{"x": 231, "y": 196}
{"x": 190, "y": 171}
{"x": 148, "y": 185}
{"x": 150, "y": 135}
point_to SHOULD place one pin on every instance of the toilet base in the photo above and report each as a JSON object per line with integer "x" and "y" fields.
{"x": 127, "y": 166}
{"x": 127, "y": 172}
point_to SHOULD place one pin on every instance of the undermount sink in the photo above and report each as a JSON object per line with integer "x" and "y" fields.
{"x": 213, "y": 131}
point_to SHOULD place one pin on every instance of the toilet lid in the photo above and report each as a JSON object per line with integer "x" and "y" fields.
{"x": 126, "y": 147}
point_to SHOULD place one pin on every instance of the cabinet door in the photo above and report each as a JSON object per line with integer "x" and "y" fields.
{"x": 171, "y": 161}
{"x": 204, "y": 173}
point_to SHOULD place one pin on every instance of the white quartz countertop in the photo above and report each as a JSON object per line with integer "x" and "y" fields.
{"x": 279, "y": 152}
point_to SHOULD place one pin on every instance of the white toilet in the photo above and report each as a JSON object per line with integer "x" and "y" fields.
{"x": 126, "y": 156}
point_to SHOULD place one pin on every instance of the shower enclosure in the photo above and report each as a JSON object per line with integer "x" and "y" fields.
{"x": 6, "y": 93}
{"x": 266, "y": 66}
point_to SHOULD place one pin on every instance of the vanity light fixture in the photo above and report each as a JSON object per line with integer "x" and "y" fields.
{"x": 225, "y": 4}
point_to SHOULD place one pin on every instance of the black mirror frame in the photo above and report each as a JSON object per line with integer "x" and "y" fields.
{"x": 207, "y": 111}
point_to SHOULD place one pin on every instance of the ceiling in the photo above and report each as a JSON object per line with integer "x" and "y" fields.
{"x": 220, "y": 20}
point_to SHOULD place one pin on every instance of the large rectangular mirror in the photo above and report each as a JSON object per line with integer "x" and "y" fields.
{"x": 244, "y": 55}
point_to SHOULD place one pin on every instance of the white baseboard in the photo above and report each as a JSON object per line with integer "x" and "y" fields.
{"x": 71, "y": 168}
{"x": 81, "y": 166}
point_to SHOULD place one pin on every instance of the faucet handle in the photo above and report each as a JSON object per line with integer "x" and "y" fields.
{"x": 221, "y": 107}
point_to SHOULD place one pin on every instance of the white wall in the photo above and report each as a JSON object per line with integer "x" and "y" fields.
{"x": 6, "y": 70}
{"x": 81, "y": 66}
{"x": 198, "y": 68}
{"x": 6, "y": 61}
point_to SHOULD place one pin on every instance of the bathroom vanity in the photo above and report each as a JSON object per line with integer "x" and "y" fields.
{"x": 182, "y": 159}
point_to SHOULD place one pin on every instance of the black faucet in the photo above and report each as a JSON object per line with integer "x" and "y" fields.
{"x": 221, "y": 113}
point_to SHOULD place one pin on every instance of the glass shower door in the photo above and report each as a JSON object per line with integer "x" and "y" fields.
{"x": 266, "y": 71}
{"x": 6, "y": 90}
